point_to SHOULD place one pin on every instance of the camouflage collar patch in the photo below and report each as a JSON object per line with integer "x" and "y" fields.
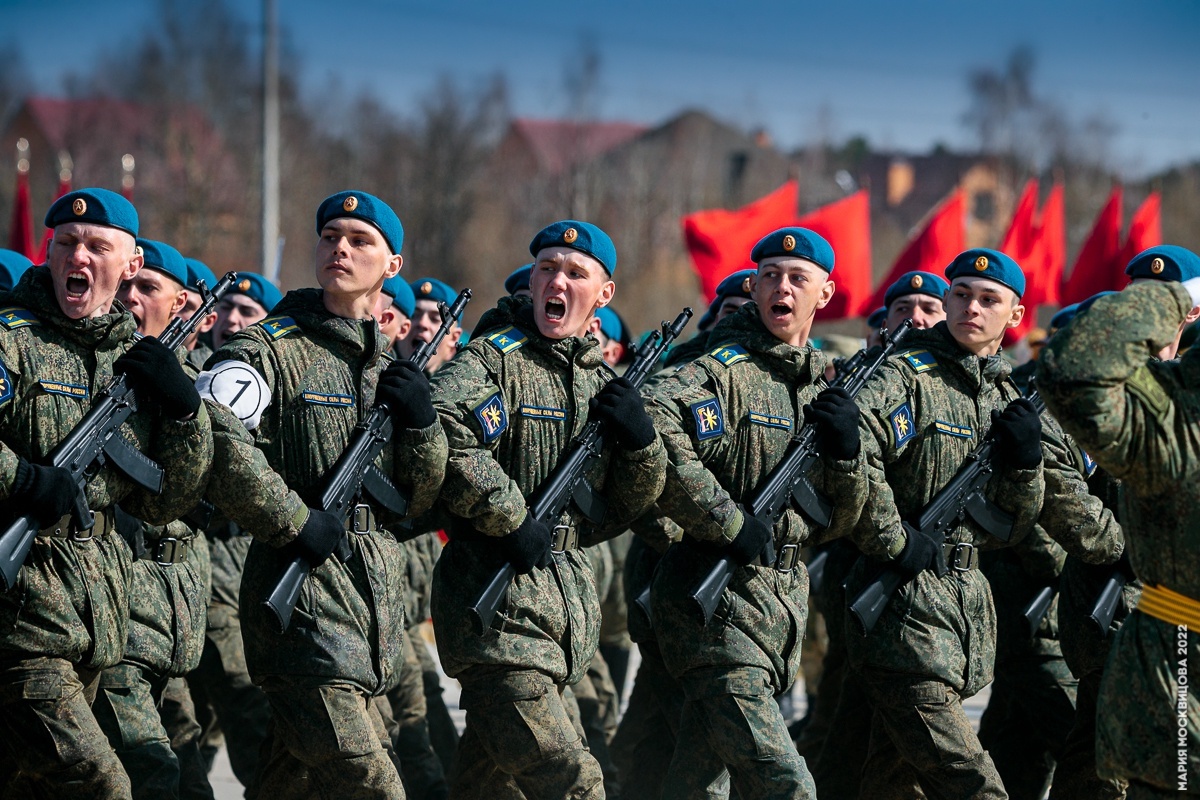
{"x": 492, "y": 416}
{"x": 6, "y": 385}
{"x": 920, "y": 360}
{"x": 278, "y": 327}
{"x": 65, "y": 389}
{"x": 507, "y": 340}
{"x": 17, "y": 317}
{"x": 541, "y": 412}
{"x": 710, "y": 422}
{"x": 323, "y": 399}
{"x": 757, "y": 418}
{"x": 729, "y": 354}
{"x": 903, "y": 428}
{"x": 950, "y": 429}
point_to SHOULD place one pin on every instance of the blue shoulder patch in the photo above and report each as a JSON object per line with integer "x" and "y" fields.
{"x": 920, "y": 360}
{"x": 730, "y": 354}
{"x": 17, "y": 317}
{"x": 278, "y": 327}
{"x": 492, "y": 417}
{"x": 903, "y": 427}
{"x": 507, "y": 340}
{"x": 1089, "y": 464}
{"x": 6, "y": 385}
{"x": 710, "y": 422}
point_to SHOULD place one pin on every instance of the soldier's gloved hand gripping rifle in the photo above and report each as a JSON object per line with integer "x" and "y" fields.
{"x": 355, "y": 472}
{"x": 787, "y": 485}
{"x": 567, "y": 481}
{"x": 94, "y": 443}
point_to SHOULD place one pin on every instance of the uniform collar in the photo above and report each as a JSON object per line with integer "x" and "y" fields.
{"x": 745, "y": 327}
{"x": 976, "y": 369}
{"x": 518, "y": 312}
{"x": 350, "y": 338}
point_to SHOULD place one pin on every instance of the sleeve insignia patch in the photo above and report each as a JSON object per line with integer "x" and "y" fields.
{"x": 540, "y": 412}
{"x": 730, "y": 354}
{"x": 65, "y": 389}
{"x": 950, "y": 429}
{"x": 6, "y": 385}
{"x": 14, "y": 317}
{"x": 507, "y": 340}
{"x": 920, "y": 360}
{"x": 323, "y": 399}
{"x": 492, "y": 417}
{"x": 1089, "y": 464}
{"x": 278, "y": 327}
{"x": 710, "y": 422}
{"x": 903, "y": 427}
{"x": 758, "y": 418}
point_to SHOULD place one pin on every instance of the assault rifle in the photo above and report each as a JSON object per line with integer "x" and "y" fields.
{"x": 355, "y": 472}
{"x": 568, "y": 481}
{"x": 94, "y": 443}
{"x": 961, "y": 497}
{"x": 1037, "y": 608}
{"x": 788, "y": 485}
{"x": 1105, "y": 607}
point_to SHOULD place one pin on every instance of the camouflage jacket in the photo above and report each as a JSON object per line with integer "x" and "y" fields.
{"x": 1140, "y": 419}
{"x": 925, "y": 409}
{"x": 321, "y": 371}
{"x": 727, "y": 419}
{"x": 511, "y": 403}
{"x": 71, "y": 599}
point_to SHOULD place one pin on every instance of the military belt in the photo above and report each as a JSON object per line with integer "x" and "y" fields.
{"x": 104, "y": 524}
{"x": 1169, "y": 606}
{"x": 362, "y": 520}
{"x": 168, "y": 550}
{"x": 566, "y": 537}
{"x": 960, "y": 556}
{"x": 787, "y": 558}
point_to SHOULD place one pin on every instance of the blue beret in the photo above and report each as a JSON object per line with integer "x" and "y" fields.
{"x": 981, "y": 262}
{"x": 198, "y": 271}
{"x": 433, "y": 289}
{"x": 1167, "y": 262}
{"x": 1064, "y": 316}
{"x": 877, "y": 318}
{"x": 258, "y": 289}
{"x": 164, "y": 258}
{"x": 795, "y": 243}
{"x": 610, "y": 324}
{"x": 1086, "y": 304}
{"x": 736, "y": 285}
{"x": 916, "y": 283}
{"x": 401, "y": 293}
{"x": 97, "y": 206}
{"x": 582, "y": 236}
{"x": 366, "y": 207}
{"x": 12, "y": 267}
{"x": 518, "y": 280}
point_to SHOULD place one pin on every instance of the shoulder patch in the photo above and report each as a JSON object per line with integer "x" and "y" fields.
{"x": 507, "y": 339}
{"x": 950, "y": 429}
{"x": 770, "y": 421}
{"x": 1143, "y": 384}
{"x": 6, "y": 385}
{"x": 710, "y": 422}
{"x": 65, "y": 389}
{"x": 1089, "y": 463}
{"x": 237, "y": 386}
{"x": 920, "y": 360}
{"x": 543, "y": 412}
{"x": 903, "y": 427}
{"x": 278, "y": 327}
{"x": 729, "y": 354}
{"x": 325, "y": 399}
{"x": 13, "y": 317}
{"x": 492, "y": 416}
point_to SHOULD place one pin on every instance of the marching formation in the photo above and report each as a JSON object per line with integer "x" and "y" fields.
{"x": 225, "y": 508}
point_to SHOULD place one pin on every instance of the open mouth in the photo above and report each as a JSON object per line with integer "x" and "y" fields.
{"x": 781, "y": 309}
{"x": 77, "y": 284}
{"x": 555, "y": 310}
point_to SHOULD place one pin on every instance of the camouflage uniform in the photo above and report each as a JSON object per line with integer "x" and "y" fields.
{"x": 1137, "y": 418}
{"x": 934, "y": 644}
{"x": 533, "y": 391}
{"x": 345, "y": 642}
{"x": 726, "y": 420}
{"x": 67, "y": 617}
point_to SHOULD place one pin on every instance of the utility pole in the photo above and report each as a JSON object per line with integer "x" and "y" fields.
{"x": 271, "y": 247}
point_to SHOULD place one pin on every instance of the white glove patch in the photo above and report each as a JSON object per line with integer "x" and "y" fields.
{"x": 237, "y": 386}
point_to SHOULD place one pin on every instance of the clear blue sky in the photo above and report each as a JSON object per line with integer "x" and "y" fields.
{"x": 892, "y": 71}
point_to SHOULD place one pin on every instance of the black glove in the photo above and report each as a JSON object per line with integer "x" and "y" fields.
{"x": 751, "y": 542}
{"x": 1018, "y": 434}
{"x": 405, "y": 390}
{"x": 622, "y": 409}
{"x": 528, "y": 546}
{"x": 46, "y": 493}
{"x": 154, "y": 372}
{"x": 836, "y": 417}
{"x": 131, "y": 530}
{"x": 919, "y": 553}
{"x": 321, "y": 535}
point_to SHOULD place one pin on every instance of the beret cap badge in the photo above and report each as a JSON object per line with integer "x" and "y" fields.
{"x": 981, "y": 263}
{"x": 244, "y": 285}
{"x": 789, "y": 242}
{"x": 1157, "y": 266}
{"x": 79, "y": 206}
{"x": 916, "y": 281}
{"x": 137, "y": 250}
{"x": 746, "y": 284}
{"x": 426, "y": 287}
{"x": 570, "y": 235}
{"x": 350, "y": 203}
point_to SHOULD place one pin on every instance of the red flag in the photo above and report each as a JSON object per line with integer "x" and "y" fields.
{"x": 20, "y": 235}
{"x": 720, "y": 241}
{"x": 1098, "y": 267}
{"x": 1145, "y": 229}
{"x": 847, "y": 225}
{"x": 1018, "y": 242}
{"x": 64, "y": 186}
{"x": 1038, "y": 243}
{"x": 931, "y": 250}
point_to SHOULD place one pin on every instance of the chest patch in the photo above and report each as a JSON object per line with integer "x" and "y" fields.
{"x": 950, "y": 429}
{"x": 65, "y": 389}
{"x": 6, "y": 385}
{"x": 903, "y": 428}
{"x": 492, "y": 416}
{"x": 541, "y": 412}
{"x": 770, "y": 421}
{"x": 710, "y": 422}
{"x": 278, "y": 327}
{"x": 323, "y": 399}
{"x": 17, "y": 317}
{"x": 507, "y": 340}
{"x": 730, "y": 354}
{"x": 921, "y": 360}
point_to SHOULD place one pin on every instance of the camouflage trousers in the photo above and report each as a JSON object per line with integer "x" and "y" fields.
{"x": 442, "y": 731}
{"x": 598, "y": 710}
{"x": 52, "y": 746}
{"x": 1075, "y": 776}
{"x": 520, "y": 741}
{"x": 921, "y": 738}
{"x": 325, "y": 741}
{"x": 178, "y": 715}
{"x": 420, "y": 769}
{"x": 730, "y": 720}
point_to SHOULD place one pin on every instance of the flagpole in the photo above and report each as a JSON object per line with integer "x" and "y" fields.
{"x": 271, "y": 247}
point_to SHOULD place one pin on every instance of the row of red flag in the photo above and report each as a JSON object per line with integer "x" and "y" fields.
{"x": 720, "y": 241}
{"x": 20, "y": 233}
